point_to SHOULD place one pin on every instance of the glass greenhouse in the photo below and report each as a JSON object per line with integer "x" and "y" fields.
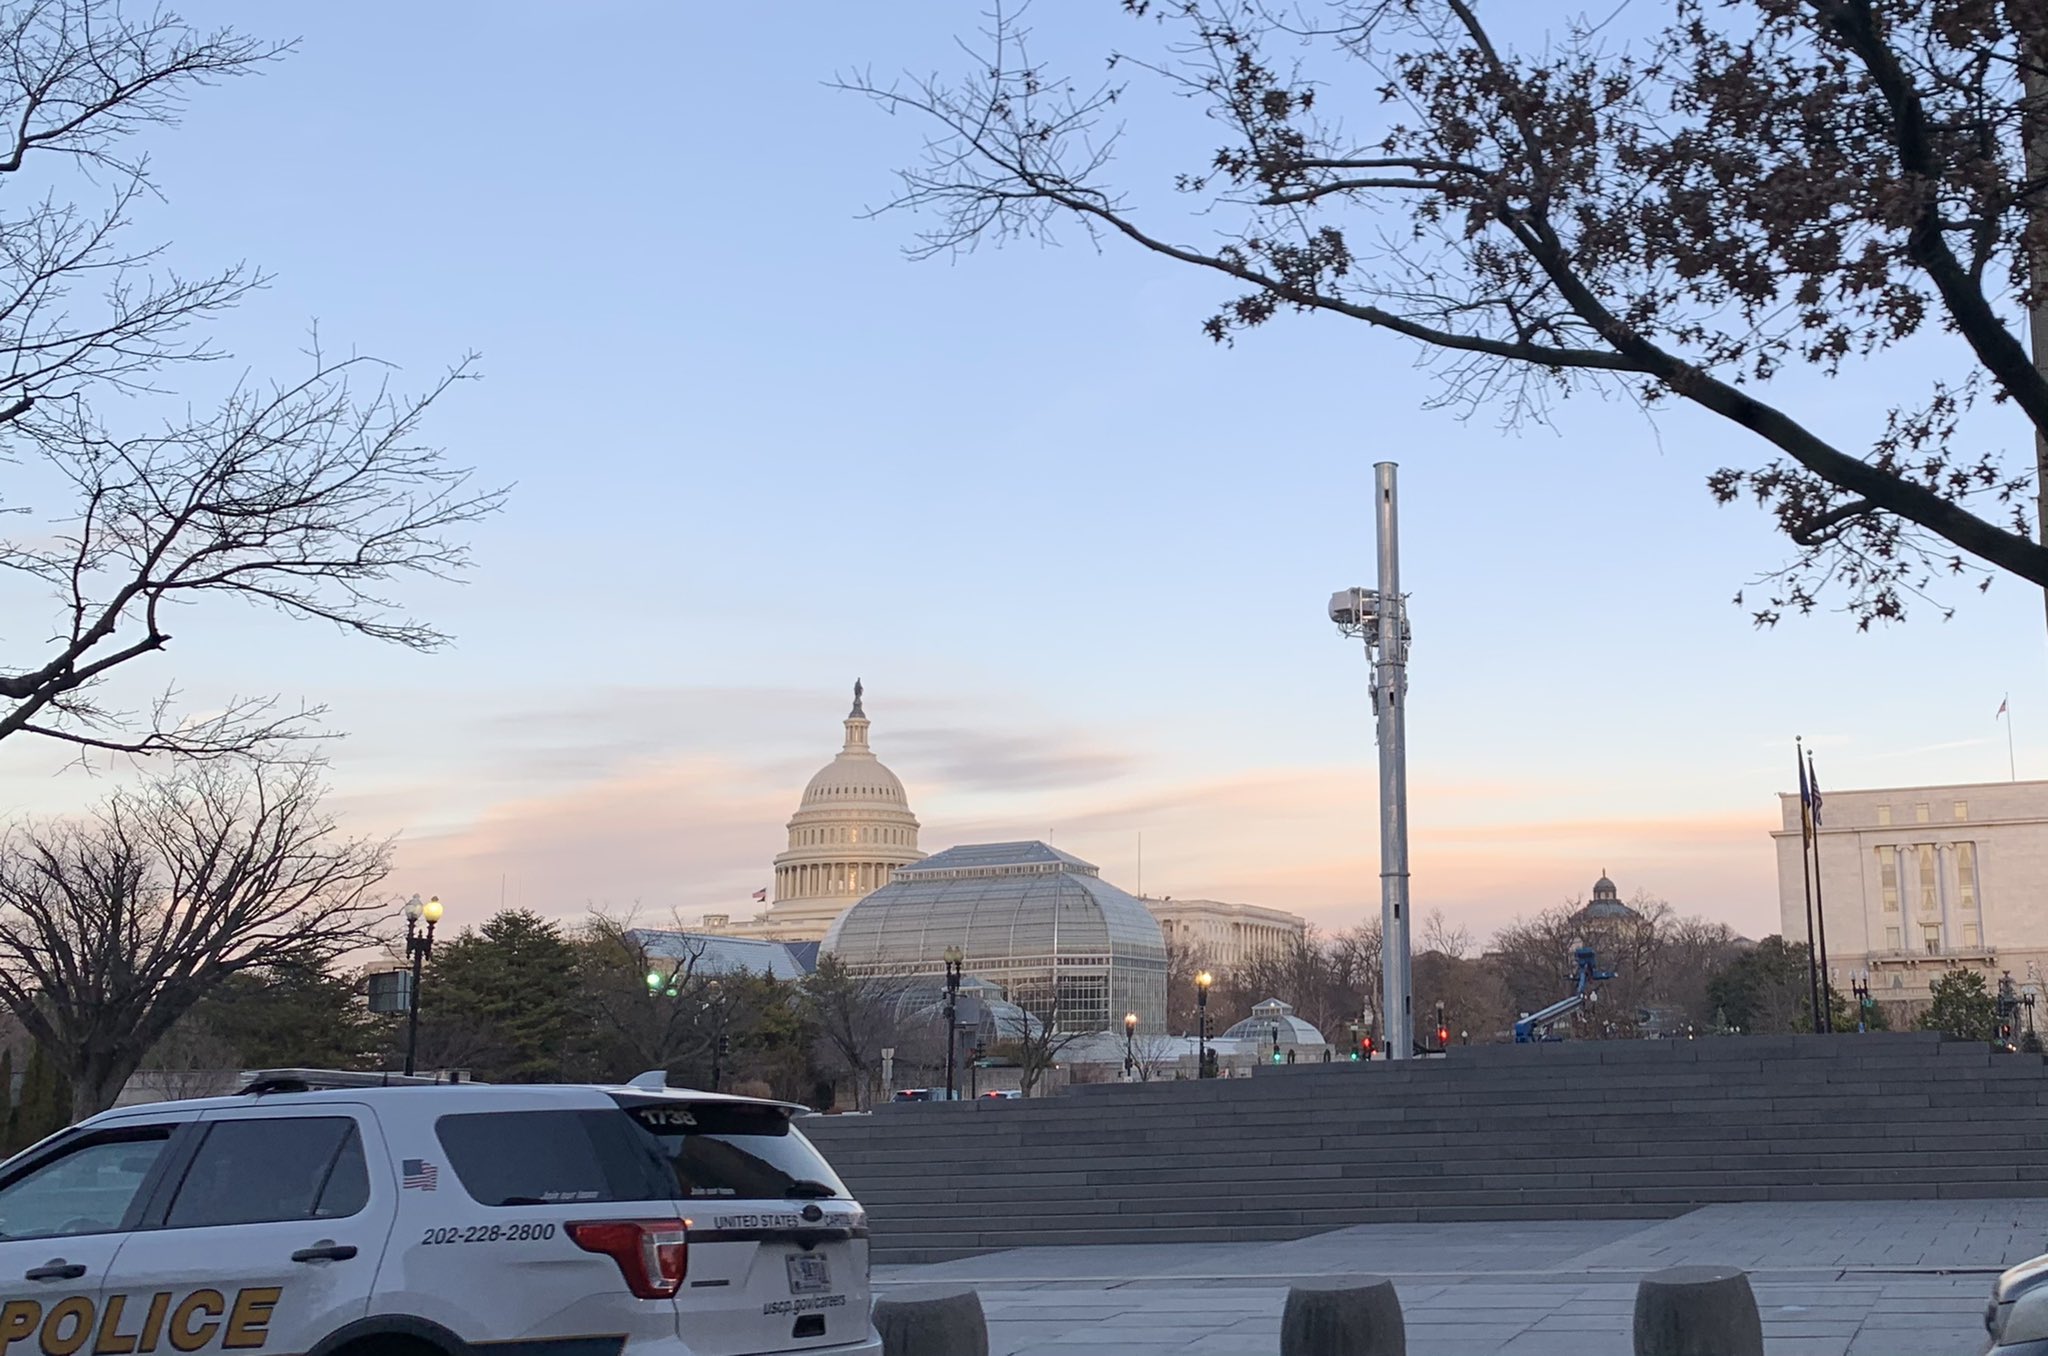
{"x": 1043, "y": 924}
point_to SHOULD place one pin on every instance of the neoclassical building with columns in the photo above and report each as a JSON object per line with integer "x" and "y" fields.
{"x": 1916, "y": 881}
{"x": 851, "y": 831}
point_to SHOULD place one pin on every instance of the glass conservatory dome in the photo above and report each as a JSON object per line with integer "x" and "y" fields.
{"x": 1061, "y": 941}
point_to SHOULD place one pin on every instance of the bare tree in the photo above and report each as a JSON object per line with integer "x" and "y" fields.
{"x": 652, "y": 1010}
{"x": 856, "y": 1017}
{"x": 1155, "y": 1054}
{"x": 1757, "y": 185}
{"x": 310, "y": 497}
{"x": 1184, "y": 960}
{"x": 113, "y": 926}
{"x": 1036, "y": 1041}
{"x": 1440, "y": 936}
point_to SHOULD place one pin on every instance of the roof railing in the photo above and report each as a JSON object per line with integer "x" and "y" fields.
{"x": 259, "y": 1082}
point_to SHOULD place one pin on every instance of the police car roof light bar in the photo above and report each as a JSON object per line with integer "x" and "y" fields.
{"x": 257, "y": 1082}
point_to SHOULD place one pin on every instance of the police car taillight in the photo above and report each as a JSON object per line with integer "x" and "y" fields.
{"x": 653, "y": 1254}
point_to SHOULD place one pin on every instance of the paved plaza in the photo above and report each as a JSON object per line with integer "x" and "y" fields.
{"x": 1905, "y": 1278}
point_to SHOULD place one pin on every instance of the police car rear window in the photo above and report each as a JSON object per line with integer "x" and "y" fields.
{"x": 664, "y": 1150}
{"x": 719, "y": 1150}
{"x": 551, "y": 1157}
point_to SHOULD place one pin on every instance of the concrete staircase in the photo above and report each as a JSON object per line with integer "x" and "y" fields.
{"x": 1585, "y": 1130}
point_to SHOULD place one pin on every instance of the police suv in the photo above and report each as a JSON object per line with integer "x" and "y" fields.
{"x": 358, "y": 1215}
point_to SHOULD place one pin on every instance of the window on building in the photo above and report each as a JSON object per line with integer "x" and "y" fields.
{"x": 1966, "y": 876}
{"x": 1884, "y": 814}
{"x": 1893, "y": 940}
{"x": 1970, "y": 935}
{"x": 1921, "y": 813}
{"x": 1930, "y": 896}
{"x": 1962, "y": 809}
{"x": 1888, "y": 879}
{"x": 1930, "y": 935}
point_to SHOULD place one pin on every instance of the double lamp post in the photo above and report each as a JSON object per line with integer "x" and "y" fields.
{"x": 418, "y": 946}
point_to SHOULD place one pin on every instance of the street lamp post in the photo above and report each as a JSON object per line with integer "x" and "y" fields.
{"x": 1202, "y": 983}
{"x": 1859, "y": 985}
{"x": 953, "y": 959}
{"x": 418, "y": 945}
{"x": 1130, "y": 1044}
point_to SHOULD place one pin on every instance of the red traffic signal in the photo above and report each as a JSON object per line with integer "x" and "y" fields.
{"x": 1365, "y": 1047}
{"x": 1443, "y": 1038}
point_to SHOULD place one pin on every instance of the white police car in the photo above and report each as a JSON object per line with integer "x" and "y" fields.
{"x": 338, "y": 1215}
{"x": 2017, "y": 1317}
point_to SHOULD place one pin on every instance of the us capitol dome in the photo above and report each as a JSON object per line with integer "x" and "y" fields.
{"x": 852, "y": 831}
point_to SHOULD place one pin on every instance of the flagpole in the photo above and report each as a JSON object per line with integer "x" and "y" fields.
{"x": 1806, "y": 878}
{"x": 2012, "y": 766}
{"x": 1820, "y": 908}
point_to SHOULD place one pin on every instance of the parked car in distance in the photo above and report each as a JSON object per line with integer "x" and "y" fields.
{"x": 1001, "y": 1095}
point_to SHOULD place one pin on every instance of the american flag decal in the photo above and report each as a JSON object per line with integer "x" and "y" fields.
{"x": 417, "y": 1174}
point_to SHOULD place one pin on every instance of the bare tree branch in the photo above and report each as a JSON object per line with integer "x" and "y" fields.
{"x": 1756, "y": 184}
{"x": 113, "y": 926}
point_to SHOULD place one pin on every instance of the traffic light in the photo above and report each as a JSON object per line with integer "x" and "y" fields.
{"x": 724, "y": 1046}
{"x": 1443, "y": 1038}
{"x": 1365, "y": 1047}
{"x": 1276, "y": 1054}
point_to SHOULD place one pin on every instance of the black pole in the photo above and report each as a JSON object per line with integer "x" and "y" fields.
{"x": 416, "y": 948}
{"x": 952, "y": 1000}
{"x": 1202, "y": 1040}
{"x": 1820, "y": 914}
{"x": 1806, "y": 879}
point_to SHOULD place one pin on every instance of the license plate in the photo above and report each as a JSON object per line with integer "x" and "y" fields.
{"x": 808, "y": 1274}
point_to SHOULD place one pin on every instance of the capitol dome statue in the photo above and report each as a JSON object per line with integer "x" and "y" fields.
{"x": 850, "y": 833}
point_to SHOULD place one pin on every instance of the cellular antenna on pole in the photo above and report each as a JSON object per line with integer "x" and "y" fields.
{"x": 1379, "y": 617}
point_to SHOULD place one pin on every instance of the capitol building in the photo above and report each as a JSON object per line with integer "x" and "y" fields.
{"x": 850, "y": 834}
{"x": 853, "y": 834}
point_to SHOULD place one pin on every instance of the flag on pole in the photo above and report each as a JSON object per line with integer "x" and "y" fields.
{"x": 761, "y": 895}
{"x": 1813, "y": 787}
{"x": 2001, "y": 708}
{"x": 1805, "y": 802}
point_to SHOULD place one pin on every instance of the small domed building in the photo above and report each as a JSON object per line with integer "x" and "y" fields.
{"x": 1043, "y": 924}
{"x": 1606, "y": 905}
{"x": 1273, "y": 1026}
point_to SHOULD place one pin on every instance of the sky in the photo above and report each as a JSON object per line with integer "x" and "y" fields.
{"x": 1078, "y": 554}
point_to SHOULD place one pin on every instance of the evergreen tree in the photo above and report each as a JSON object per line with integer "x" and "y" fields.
{"x": 44, "y": 1107}
{"x": 1963, "y": 1006}
{"x": 498, "y": 1000}
{"x": 299, "y": 1015}
{"x": 7, "y": 1107}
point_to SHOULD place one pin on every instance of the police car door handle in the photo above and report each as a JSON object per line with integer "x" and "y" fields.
{"x": 325, "y": 1251}
{"x": 56, "y": 1269}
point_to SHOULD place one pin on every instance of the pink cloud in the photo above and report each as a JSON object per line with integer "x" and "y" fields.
{"x": 696, "y": 834}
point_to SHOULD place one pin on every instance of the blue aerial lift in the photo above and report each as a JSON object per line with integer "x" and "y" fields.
{"x": 1536, "y": 1026}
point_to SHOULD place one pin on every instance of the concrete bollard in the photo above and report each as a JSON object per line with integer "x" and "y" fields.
{"x": 1343, "y": 1316}
{"x": 1697, "y": 1311}
{"x": 932, "y": 1321}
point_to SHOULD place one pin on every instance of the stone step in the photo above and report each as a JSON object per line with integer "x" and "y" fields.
{"x": 1621, "y": 1130}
